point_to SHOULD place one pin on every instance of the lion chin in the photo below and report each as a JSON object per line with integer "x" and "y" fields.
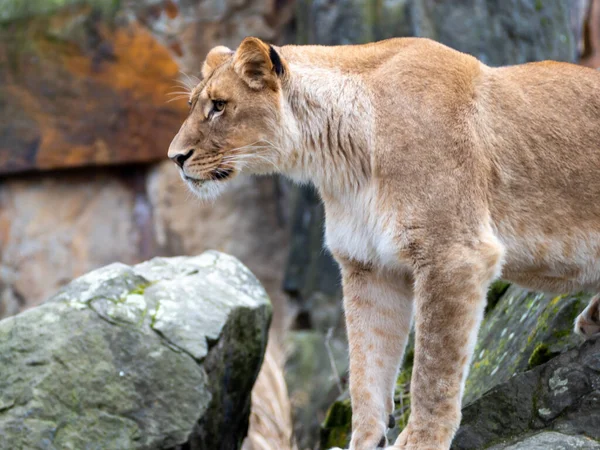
{"x": 207, "y": 190}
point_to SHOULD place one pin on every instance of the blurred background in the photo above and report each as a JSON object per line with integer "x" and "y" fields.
{"x": 85, "y": 124}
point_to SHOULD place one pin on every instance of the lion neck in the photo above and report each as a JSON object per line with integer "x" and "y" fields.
{"x": 329, "y": 133}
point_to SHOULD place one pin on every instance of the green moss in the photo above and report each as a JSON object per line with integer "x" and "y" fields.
{"x": 541, "y": 354}
{"x": 495, "y": 293}
{"x": 140, "y": 289}
{"x": 335, "y": 430}
{"x": 562, "y": 334}
{"x": 153, "y": 316}
{"x": 402, "y": 391}
{"x": 539, "y": 5}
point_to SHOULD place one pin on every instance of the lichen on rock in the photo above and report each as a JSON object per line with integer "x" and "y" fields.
{"x": 94, "y": 368}
{"x": 523, "y": 330}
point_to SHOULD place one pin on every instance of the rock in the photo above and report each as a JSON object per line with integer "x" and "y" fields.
{"x": 503, "y": 398}
{"x": 496, "y": 31}
{"x": 191, "y": 28}
{"x": 312, "y": 280}
{"x": 524, "y": 330}
{"x": 82, "y": 82}
{"x": 152, "y": 356}
{"x": 551, "y": 440}
{"x": 500, "y": 32}
{"x": 562, "y": 395}
{"x": 351, "y": 21}
{"x": 54, "y": 229}
{"x": 123, "y": 58}
{"x": 312, "y": 277}
{"x": 336, "y": 430}
{"x": 85, "y": 82}
{"x": 313, "y": 383}
{"x": 249, "y": 221}
{"x": 590, "y": 51}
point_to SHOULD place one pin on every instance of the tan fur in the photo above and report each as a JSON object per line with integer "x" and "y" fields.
{"x": 438, "y": 174}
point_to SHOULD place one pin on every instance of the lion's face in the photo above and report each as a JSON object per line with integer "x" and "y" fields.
{"x": 233, "y": 119}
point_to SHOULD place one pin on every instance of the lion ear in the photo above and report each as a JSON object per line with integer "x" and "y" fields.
{"x": 215, "y": 58}
{"x": 258, "y": 64}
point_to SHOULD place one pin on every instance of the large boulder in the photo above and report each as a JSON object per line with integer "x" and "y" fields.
{"x": 161, "y": 354}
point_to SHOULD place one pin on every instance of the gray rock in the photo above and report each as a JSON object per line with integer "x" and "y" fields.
{"x": 500, "y": 32}
{"x": 561, "y": 395}
{"x": 311, "y": 380}
{"x": 523, "y": 330}
{"x": 352, "y": 21}
{"x": 550, "y": 440}
{"x": 134, "y": 358}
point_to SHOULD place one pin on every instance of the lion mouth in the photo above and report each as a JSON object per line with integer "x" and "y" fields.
{"x": 222, "y": 174}
{"x": 216, "y": 175}
{"x": 192, "y": 180}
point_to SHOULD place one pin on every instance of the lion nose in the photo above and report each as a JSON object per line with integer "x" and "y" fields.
{"x": 181, "y": 158}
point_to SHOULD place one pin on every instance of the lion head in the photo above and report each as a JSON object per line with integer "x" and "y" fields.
{"x": 234, "y": 118}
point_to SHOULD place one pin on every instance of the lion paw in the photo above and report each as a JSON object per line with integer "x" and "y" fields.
{"x": 587, "y": 323}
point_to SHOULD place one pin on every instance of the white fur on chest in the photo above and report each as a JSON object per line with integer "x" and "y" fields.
{"x": 358, "y": 229}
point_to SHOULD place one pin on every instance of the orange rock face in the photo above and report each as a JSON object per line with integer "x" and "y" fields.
{"x": 82, "y": 87}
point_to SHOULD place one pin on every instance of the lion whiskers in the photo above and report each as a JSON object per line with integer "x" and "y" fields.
{"x": 243, "y": 160}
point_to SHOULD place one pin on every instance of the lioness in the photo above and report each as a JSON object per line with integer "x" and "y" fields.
{"x": 438, "y": 174}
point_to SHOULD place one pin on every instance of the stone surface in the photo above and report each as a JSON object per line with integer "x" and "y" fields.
{"x": 530, "y": 372}
{"x": 524, "y": 329}
{"x": 500, "y": 32}
{"x": 497, "y": 31}
{"x": 590, "y": 48}
{"x": 102, "y": 365}
{"x": 190, "y": 28}
{"x": 249, "y": 221}
{"x": 550, "y": 440}
{"x": 313, "y": 383}
{"x": 86, "y": 82}
{"x": 81, "y": 82}
{"x": 55, "y": 228}
{"x": 562, "y": 395}
{"x": 352, "y": 21}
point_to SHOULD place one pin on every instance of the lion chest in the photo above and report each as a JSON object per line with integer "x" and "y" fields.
{"x": 356, "y": 228}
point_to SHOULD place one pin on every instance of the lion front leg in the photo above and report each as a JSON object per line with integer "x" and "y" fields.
{"x": 378, "y": 313}
{"x": 450, "y": 288}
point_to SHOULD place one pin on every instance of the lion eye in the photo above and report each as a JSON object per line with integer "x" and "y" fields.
{"x": 218, "y": 105}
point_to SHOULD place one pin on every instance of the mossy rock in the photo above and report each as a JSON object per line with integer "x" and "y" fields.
{"x": 523, "y": 330}
{"x": 153, "y": 356}
{"x": 556, "y": 405}
{"x": 65, "y": 58}
{"x": 335, "y": 431}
